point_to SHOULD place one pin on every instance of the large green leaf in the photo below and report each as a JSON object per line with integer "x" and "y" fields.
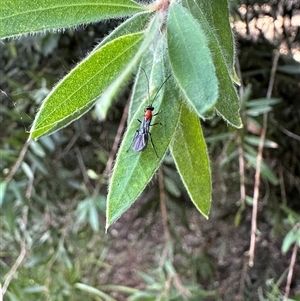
{"x": 107, "y": 97}
{"x": 146, "y": 81}
{"x": 19, "y": 17}
{"x": 191, "y": 158}
{"x": 142, "y": 86}
{"x": 133, "y": 170}
{"x": 79, "y": 90}
{"x": 3, "y": 186}
{"x": 217, "y": 14}
{"x": 134, "y": 24}
{"x": 191, "y": 59}
{"x": 228, "y": 104}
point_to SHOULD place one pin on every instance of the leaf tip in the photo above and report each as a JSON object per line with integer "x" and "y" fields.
{"x": 235, "y": 78}
{"x": 106, "y": 227}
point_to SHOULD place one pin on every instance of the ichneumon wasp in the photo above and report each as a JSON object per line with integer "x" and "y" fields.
{"x": 140, "y": 139}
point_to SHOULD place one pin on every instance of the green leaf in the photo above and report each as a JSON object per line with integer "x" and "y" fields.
{"x": 171, "y": 187}
{"x": 289, "y": 240}
{"x": 93, "y": 291}
{"x": 82, "y": 210}
{"x": 255, "y": 140}
{"x": 3, "y": 186}
{"x": 228, "y": 104}
{"x": 107, "y": 97}
{"x": 266, "y": 172}
{"x": 262, "y": 102}
{"x": 27, "y": 170}
{"x": 145, "y": 81}
{"x": 135, "y": 24}
{"x": 37, "y": 163}
{"x": 18, "y": 17}
{"x": 249, "y": 200}
{"x": 142, "y": 87}
{"x": 191, "y": 158}
{"x": 79, "y": 90}
{"x": 290, "y": 68}
{"x": 217, "y": 14}
{"x": 133, "y": 170}
{"x": 191, "y": 59}
{"x": 256, "y": 111}
{"x": 93, "y": 217}
{"x": 37, "y": 149}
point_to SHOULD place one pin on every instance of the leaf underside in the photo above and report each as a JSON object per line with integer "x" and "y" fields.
{"x": 191, "y": 158}
{"x": 133, "y": 170}
{"x": 78, "y": 91}
{"x": 19, "y": 17}
{"x": 195, "y": 49}
{"x": 191, "y": 60}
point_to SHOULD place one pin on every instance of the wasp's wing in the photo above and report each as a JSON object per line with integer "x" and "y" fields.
{"x": 140, "y": 140}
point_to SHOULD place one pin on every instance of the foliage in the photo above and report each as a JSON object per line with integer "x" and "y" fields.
{"x": 164, "y": 284}
{"x": 175, "y": 51}
{"x": 53, "y": 208}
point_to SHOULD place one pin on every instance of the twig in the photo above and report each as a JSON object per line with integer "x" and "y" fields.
{"x": 290, "y": 273}
{"x": 242, "y": 280}
{"x": 18, "y": 162}
{"x": 258, "y": 165}
{"x": 161, "y": 5}
{"x": 83, "y": 169}
{"x": 22, "y": 255}
{"x": 285, "y": 131}
{"x": 184, "y": 292}
{"x": 68, "y": 147}
{"x": 242, "y": 173}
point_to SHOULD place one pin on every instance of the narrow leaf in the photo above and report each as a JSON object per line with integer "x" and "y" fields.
{"x": 146, "y": 80}
{"x": 256, "y": 111}
{"x": 266, "y": 172}
{"x": 255, "y": 140}
{"x": 191, "y": 158}
{"x": 135, "y": 24}
{"x": 288, "y": 241}
{"x": 228, "y": 104}
{"x": 19, "y": 17}
{"x": 27, "y": 170}
{"x": 142, "y": 86}
{"x": 191, "y": 59}
{"x": 79, "y": 90}
{"x": 94, "y": 218}
{"x": 93, "y": 291}
{"x": 217, "y": 14}
{"x": 106, "y": 99}
{"x": 3, "y": 186}
{"x": 262, "y": 102}
{"x": 133, "y": 170}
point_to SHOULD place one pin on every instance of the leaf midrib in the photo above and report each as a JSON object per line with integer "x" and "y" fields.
{"x": 68, "y": 7}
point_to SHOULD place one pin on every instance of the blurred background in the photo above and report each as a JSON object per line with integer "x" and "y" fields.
{"x": 52, "y": 193}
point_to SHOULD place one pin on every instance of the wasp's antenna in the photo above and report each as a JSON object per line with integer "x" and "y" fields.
{"x": 149, "y": 84}
{"x": 147, "y": 81}
{"x": 161, "y": 86}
